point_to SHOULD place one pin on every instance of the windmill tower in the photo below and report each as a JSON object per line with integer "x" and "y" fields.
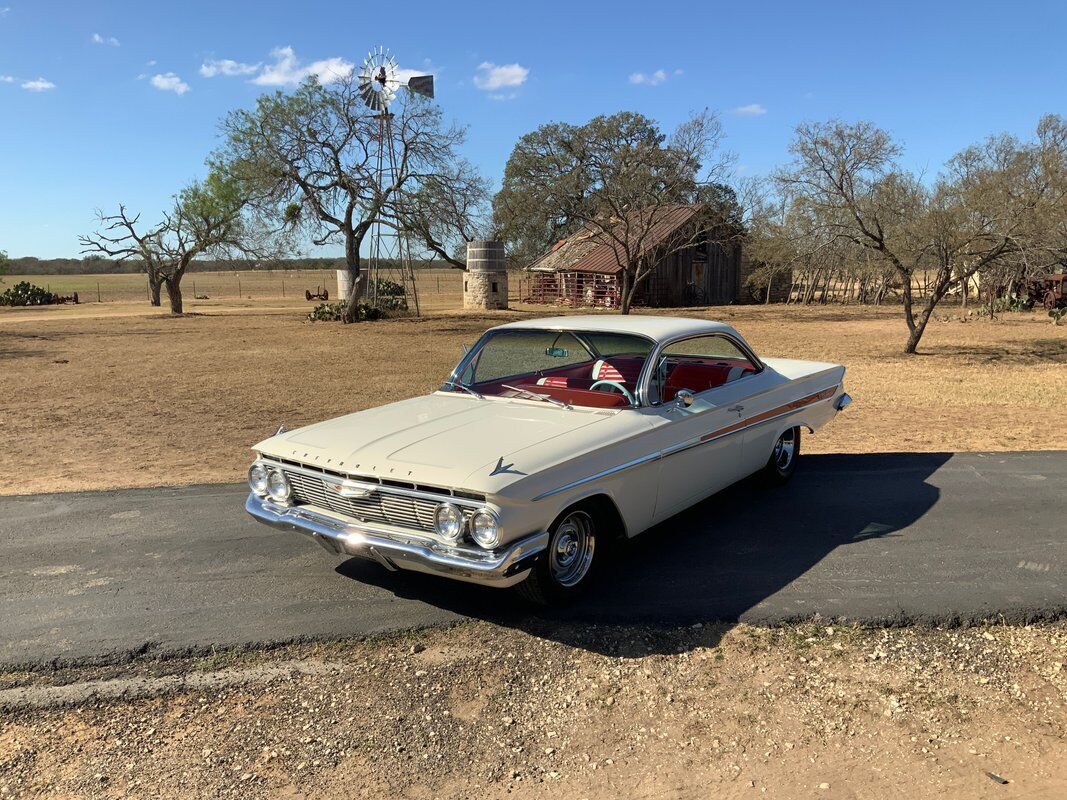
{"x": 389, "y": 260}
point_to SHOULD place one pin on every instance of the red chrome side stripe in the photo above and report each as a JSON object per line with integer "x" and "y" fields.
{"x": 774, "y": 412}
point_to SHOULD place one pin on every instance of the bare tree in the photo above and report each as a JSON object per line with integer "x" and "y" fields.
{"x": 617, "y": 177}
{"x": 984, "y": 208}
{"x": 448, "y": 210}
{"x": 207, "y": 219}
{"x": 309, "y": 159}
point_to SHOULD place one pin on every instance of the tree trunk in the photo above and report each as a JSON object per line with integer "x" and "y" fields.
{"x": 174, "y": 292}
{"x": 355, "y": 274}
{"x": 154, "y": 286}
{"x": 627, "y": 293}
{"x": 917, "y": 327}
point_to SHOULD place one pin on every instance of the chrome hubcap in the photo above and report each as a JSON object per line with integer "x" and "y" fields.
{"x": 571, "y": 550}
{"x": 784, "y": 449}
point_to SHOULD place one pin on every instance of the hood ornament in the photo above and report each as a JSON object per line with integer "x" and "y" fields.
{"x": 281, "y": 430}
{"x": 502, "y": 468}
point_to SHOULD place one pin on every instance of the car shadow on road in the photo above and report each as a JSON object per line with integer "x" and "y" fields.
{"x": 730, "y": 558}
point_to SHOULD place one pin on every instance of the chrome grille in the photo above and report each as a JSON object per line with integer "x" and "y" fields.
{"x": 380, "y": 506}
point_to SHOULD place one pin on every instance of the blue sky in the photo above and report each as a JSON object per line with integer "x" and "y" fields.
{"x": 102, "y": 103}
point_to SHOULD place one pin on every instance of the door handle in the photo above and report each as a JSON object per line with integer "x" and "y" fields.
{"x": 738, "y": 409}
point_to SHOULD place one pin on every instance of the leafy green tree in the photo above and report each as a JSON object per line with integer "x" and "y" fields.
{"x": 308, "y": 160}
{"x": 208, "y": 219}
{"x": 617, "y": 177}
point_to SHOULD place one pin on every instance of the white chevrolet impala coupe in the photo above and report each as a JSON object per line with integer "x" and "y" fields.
{"x": 551, "y": 438}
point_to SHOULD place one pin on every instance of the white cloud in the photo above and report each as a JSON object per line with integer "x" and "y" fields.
{"x": 286, "y": 70}
{"x": 6, "y": 79}
{"x": 108, "y": 40}
{"x": 751, "y": 110}
{"x": 170, "y": 82}
{"x": 491, "y": 77}
{"x": 648, "y": 79}
{"x": 151, "y": 63}
{"x": 4, "y": 10}
{"x": 227, "y": 67}
{"x": 38, "y": 85}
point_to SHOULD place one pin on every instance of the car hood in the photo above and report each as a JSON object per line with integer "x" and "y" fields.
{"x": 441, "y": 439}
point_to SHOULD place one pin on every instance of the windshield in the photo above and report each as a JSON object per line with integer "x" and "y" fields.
{"x": 576, "y": 368}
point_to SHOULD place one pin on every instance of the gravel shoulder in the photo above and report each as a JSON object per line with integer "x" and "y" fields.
{"x": 477, "y": 710}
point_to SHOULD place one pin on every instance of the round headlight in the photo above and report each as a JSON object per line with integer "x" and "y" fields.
{"x": 257, "y": 479}
{"x": 278, "y": 485}
{"x": 448, "y": 521}
{"x": 485, "y": 528}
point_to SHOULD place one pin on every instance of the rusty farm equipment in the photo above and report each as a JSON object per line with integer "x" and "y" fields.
{"x": 1050, "y": 291}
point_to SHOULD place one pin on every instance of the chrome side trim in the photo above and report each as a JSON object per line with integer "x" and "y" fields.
{"x": 502, "y": 567}
{"x": 681, "y": 447}
{"x": 628, "y": 465}
{"x": 381, "y": 488}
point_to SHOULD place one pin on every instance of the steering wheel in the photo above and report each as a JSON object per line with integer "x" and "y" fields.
{"x": 614, "y": 385}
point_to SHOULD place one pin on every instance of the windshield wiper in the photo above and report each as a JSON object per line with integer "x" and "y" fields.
{"x": 465, "y": 388}
{"x": 536, "y": 396}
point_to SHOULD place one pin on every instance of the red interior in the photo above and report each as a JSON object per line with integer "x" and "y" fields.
{"x": 572, "y": 383}
{"x": 699, "y": 375}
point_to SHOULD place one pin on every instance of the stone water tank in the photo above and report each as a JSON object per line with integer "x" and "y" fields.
{"x": 485, "y": 283}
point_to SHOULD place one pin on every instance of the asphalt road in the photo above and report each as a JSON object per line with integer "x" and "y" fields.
{"x": 886, "y": 537}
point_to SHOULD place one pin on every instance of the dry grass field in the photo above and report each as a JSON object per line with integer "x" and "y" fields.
{"x": 113, "y": 395}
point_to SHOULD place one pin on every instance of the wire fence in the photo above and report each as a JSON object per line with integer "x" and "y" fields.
{"x": 437, "y": 288}
{"x": 226, "y": 285}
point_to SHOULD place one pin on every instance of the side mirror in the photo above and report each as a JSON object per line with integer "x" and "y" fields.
{"x": 684, "y": 398}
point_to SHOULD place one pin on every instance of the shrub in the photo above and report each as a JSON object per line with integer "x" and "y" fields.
{"x": 26, "y": 294}
{"x": 332, "y": 312}
{"x": 389, "y": 288}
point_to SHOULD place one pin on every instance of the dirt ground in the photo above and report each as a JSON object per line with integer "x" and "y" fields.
{"x": 493, "y": 712}
{"x": 119, "y": 395}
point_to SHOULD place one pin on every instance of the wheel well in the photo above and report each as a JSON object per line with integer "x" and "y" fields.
{"x": 603, "y": 509}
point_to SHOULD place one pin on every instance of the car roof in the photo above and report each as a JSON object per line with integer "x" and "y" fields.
{"x": 654, "y": 327}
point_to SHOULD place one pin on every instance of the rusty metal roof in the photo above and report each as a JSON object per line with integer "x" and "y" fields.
{"x": 584, "y": 253}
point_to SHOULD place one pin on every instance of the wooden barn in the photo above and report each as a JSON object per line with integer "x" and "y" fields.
{"x": 583, "y": 270}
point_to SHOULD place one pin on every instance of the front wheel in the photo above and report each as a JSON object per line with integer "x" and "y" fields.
{"x": 574, "y": 551}
{"x": 783, "y": 459}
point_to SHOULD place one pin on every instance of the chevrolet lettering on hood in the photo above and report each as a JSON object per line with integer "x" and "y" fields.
{"x": 551, "y": 439}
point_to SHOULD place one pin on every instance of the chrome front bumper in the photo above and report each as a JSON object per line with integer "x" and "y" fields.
{"x": 504, "y": 567}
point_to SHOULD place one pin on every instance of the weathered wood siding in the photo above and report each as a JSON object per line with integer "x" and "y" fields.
{"x": 696, "y": 276}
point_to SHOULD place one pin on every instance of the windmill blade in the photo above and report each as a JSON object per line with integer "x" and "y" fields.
{"x": 422, "y": 84}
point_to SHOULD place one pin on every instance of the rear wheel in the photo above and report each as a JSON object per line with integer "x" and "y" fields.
{"x": 574, "y": 552}
{"x": 783, "y": 459}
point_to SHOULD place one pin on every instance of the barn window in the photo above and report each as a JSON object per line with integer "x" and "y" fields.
{"x": 464, "y": 286}
{"x": 494, "y": 287}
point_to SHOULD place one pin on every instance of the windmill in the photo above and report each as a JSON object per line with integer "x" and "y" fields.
{"x": 390, "y": 254}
